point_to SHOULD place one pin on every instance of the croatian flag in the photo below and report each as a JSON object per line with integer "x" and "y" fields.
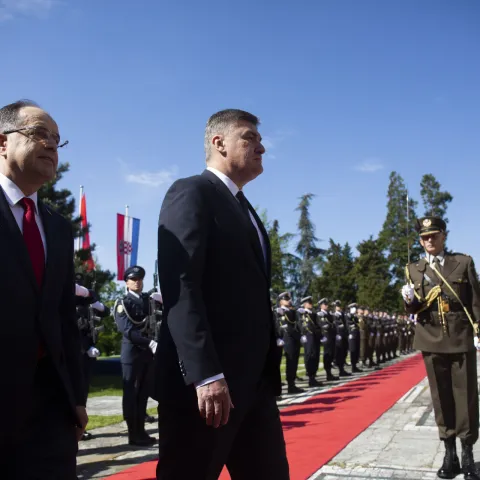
{"x": 128, "y": 229}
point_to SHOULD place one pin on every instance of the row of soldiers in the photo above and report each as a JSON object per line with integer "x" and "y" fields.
{"x": 363, "y": 333}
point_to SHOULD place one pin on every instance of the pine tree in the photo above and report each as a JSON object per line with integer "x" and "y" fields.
{"x": 277, "y": 244}
{"x": 63, "y": 202}
{"x": 307, "y": 249}
{"x": 394, "y": 238}
{"x": 337, "y": 281}
{"x": 372, "y": 277}
{"x": 434, "y": 200}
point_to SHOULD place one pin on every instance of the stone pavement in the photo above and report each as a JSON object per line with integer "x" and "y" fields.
{"x": 403, "y": 443}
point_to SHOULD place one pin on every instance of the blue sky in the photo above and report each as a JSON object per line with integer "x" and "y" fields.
{"x": 347, "y": 91}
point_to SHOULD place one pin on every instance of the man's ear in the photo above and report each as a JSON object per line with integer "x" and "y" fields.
{"x": 218, "y": 143}
{"x": 421, "y": 242}
{"x": 3, "y": 145}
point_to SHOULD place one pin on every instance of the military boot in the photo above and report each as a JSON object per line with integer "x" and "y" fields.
{"x": 468, "y": 464}
{"x": 451, "y": 465}
{"x": 312, "y": 382}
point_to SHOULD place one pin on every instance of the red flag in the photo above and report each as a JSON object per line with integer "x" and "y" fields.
{"x": 86, "y": 236}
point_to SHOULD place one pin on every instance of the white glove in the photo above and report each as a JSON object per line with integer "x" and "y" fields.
{"x": 81, "y": 291}
{"x": 353, "y": 310}
{"x": 280, "y": 311}
{"x": 284, "y": 327}
{"x": 93, "y": 352}
{"x": 153, "y": 346}
{"x": 476, "y": 342}
{"x": 408, "y": 293}
{"x": 157, "y": 297}
{"x": 303, "y": 339}
{"x": 350, "y": 337}
{"x": 324, "y": 340}
{"x": 99, "y": 306}
{"x": 338, "y": 337}
{"x": 280, "y": 342}
{"x": 301, "y": 311}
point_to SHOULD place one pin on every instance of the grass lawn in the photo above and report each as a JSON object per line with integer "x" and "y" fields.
{"x": 97, "y": 421}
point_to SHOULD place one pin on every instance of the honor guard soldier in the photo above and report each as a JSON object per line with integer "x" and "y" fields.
{"x": 132, "y": 316}
{"x": 312, "y": 332}
{"x": 443, "y": 291}
{"x": 402, "y": 334}
{"x": 372, "y": 338}
{"x": 353, "y": 323}
{"x": 364, "y": 334}
{"x": 341, "y": 339}
{"x": 329, "y": 333}
{"x": 90, "y": 311}
{"x": 292, "y": 337}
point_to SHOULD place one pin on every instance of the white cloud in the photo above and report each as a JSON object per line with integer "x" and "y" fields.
{"x": 152, "y": 179}
{"x": 9, "y": 9}
{"x": 370, "y": 165}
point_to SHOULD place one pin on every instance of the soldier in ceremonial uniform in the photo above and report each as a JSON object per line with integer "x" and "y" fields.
{"x": 292, "y": 337}
{"x": 89, "y": 313}
{"x": 353, "y": 323}
{"x": 364, "y": 334}
{"x": 341, "y": 339}
{"x": 379, "y": 340}
{"x": 402, "y": 334}
{"x": 132, "y": 315}
{"x": 312, "y": 332}
{"x": 372, "y": 338}
{"x": 329, "y": 333}
{"x": 443, "y": 291}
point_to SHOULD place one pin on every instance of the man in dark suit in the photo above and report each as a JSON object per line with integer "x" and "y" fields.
{"x": 217, "y": 366}
{"x": 444, "y": 292}
{"x": 42, "y": 397}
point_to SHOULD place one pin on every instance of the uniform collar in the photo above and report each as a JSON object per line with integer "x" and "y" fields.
{"x": 440, "y": 256}
{"x": 13, "y": 194}
{"x": 308, "y": 310}
{"x": 230, "y": 184}
{"x": 133, "y": 294}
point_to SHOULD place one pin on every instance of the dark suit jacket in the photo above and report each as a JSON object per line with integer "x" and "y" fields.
{"x": 459, "y": 271}
{"x": 215, "y": 286}
{"x": 29, "y": 315}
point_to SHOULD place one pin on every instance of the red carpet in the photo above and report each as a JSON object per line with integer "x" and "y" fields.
{"x": 318, "y": 429}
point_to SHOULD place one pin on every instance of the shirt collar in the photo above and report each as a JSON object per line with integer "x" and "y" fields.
{"x": 14, "y": 194}
{"x": 134, "y": 294}
{"x": 440, "y": 256}
{"x": 230, "y": 184}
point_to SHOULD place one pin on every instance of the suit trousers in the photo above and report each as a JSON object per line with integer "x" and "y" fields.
{"x": 251, "y": 445}
{"x": 46, "y": 448}
{"x": 454, "y": 389}
{"x": 87, "y": 364}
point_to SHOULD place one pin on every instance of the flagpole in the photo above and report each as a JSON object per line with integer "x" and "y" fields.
{"x": 79, "y": 239}
{"x": 408, "y": 228}
{"x": 126, "y": 210}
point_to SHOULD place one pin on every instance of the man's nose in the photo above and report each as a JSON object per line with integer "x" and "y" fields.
{"x": 261, "y": 149}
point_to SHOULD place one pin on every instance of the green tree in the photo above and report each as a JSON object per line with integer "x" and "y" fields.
{"x": 337, "y": 281}
{"x": 278, "y": 244}
{"x": 306, "y": 248}
{"x": 435, "y": 201}
{"x": 398, "y": 236}
{"x": 372, "y": 277}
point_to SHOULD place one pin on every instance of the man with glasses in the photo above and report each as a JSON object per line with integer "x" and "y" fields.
{"x": 42, "y": 399}
{"x": 444, "y": 292}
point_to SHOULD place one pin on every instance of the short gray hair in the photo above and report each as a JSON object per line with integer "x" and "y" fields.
{"x": 219, "y": 124}
{"x": 10, "y": 114}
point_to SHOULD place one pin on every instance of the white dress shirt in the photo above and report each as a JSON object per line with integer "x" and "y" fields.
{"x": 14, "y": 195}
{"x": 233, "y": 190}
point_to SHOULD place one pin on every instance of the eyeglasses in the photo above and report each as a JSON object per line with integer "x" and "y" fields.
{"x": 431, "y": 236}
{"x": 39, "y": 134}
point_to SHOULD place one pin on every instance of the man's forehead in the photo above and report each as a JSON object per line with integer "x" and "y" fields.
{"x": 34, "y": 115}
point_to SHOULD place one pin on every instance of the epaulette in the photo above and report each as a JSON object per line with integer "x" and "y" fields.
{"x": 458, "y": 253}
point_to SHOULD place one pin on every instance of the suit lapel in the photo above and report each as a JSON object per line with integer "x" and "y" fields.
{"x": 249, "y": 227}
{"x": 48, "y": 222}
{"x": 14, "y": 238}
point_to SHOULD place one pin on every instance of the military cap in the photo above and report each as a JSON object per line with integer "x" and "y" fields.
{"x": 134, "y": 272}
{"x": 428, "y": 225}
{"x": 306, "y": 299}
{"x": 323, "y": 301}
{"x": 337, "y": 303}
{"x": 353, "y": 305}
{"x": 284, "y": 295}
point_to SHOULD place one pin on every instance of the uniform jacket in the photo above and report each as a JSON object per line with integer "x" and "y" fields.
{"x": 459, "y": 271}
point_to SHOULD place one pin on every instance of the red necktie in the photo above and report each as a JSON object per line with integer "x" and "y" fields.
{"x": 34, "y": 243}
{"x": 33, "y": 239}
